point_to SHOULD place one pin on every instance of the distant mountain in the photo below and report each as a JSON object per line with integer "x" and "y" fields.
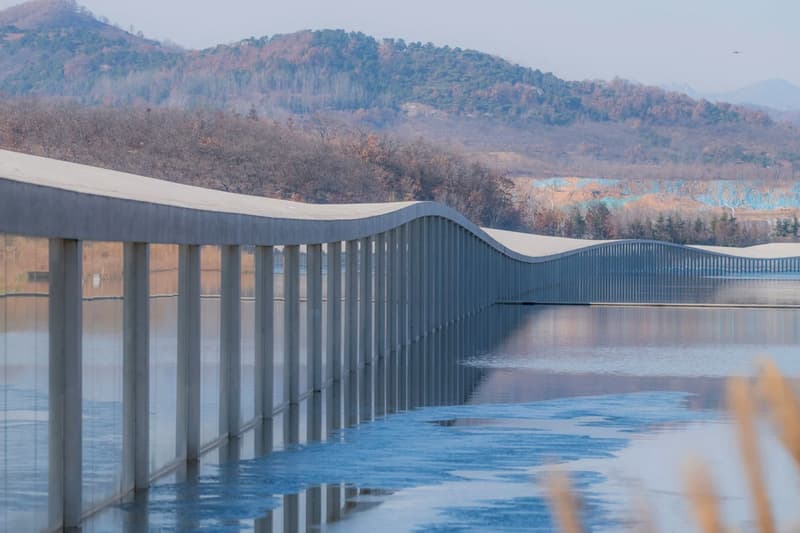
{"x": 519, "y": 120}
{"x": 683, "y": 88}
{"x": 56, "y": 48}
{"x": 51, "y": 15}
{"x": 774, "y": 94}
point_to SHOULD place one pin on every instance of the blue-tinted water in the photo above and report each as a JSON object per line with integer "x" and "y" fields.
{"x": 621, "y": 398}
{"x": 414, "y": 451}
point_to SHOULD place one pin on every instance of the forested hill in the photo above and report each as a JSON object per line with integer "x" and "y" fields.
{"x": 56, "y": 48}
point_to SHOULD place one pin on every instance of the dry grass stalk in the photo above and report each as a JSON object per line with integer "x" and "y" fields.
{"x": 563, "y": 504}
{"x": 643, "y": 517}
{"x": 741, "y": 405}
{"x": 784, "y": 408}
{"x": 703, "y": 499}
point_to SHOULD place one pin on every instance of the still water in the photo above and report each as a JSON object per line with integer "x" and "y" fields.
{"x": 620, "y": 397}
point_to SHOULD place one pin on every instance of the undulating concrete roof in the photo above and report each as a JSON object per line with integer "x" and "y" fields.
{"x": 190, "y": 215}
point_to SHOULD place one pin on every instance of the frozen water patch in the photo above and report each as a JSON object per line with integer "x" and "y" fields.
{"x": 408, "y": 453}
{"x": 719, "y": 361}
{"x": 526, "y": 513}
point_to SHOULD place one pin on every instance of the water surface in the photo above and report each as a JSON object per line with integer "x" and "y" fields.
{"x": 620, "y": 397}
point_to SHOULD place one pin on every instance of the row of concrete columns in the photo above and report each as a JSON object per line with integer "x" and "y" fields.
{"x": 480, "y": 332}
{"x": 399, "y": 288}
{"x": 650, "y": 272}
{"x": 381, "y": 344}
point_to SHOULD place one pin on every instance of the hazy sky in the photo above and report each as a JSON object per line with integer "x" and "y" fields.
{"x": 657, "y": 42}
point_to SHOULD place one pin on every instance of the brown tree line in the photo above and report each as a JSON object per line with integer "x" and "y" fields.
{"x": 322, "y": 161}
{"x": 313, "y": 162}
{"x": 597, "y": 221}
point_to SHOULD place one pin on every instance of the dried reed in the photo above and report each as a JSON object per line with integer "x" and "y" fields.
{"x": 563, "y": 503}
{"x": 703, "y": 499}
{"x": 783, "y": 407}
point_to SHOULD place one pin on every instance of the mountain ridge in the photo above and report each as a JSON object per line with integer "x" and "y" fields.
{"x": 776, "y": 93}
{"x": 520, "y": 121}
{"x": 309, "y": 71}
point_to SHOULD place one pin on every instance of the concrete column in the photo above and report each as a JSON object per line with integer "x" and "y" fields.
{"x": 188, "y": 386}
{"x": 441, "y": 303}
{"x": 493, "y": 268}
{"x": 314, "y": 342}
{"x": 461, "y": 274}
{"x": 450, "y": 237}
{"x": 334, "y": 335}
{"x": 392, "y": 316}
{"x": 415, "y": 279}
{"x": 425, "y": 352}
{"x": 416, "y": 313}
{"x": 230, "y": 334}
{"x": 441, "y": 296}
{"x": 458, "y": 274}
{"x": 427, "y": 269}
{"x": 441, "y": 249}
{"x": 264, "y": 347}
{"x": 291, "y": 512}
{"x": 313, "y": 508}
{"x": 447, "y": 270}
{"x": 334, "y": 502}
{"x": 430, "y": 353}
{"x": 473, "y": 260}
{"x": 351, "y": 332}
{"x": 460, "y": 270}
{"x": 455, "y": 281}
{"x": 136, "y": 367}
{"x": 433, "y": 272}
{"x": 291, "y": 339}
{"x": 65, "y": 360}
{"x": 403, "y": 267}
{"x": 477, "y": 273}
{"x": 380, "y": 324}
{"x": 365, "y": 319}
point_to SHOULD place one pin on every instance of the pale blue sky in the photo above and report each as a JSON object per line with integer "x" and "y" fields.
{"x": 669, "y": 41}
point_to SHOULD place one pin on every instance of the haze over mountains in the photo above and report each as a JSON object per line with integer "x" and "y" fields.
{"x": 776, "y": 94}
{"x": 778, "y": 97}
{"x": 51, "y": 47}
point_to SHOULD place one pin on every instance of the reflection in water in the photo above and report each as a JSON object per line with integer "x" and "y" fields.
{"x": 529, "y": 399}
{"x": 569, "y": 351}
{"x": 316, "y": 503}
{"x": 516, "y": 355}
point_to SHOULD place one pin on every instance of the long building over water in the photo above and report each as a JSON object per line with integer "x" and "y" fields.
{"x": 340, "y": 306}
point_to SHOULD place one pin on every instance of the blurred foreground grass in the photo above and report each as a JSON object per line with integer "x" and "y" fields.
{"x": 769, "y": 394}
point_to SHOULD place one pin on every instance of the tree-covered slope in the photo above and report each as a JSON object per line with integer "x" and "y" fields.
{"x": 56, "y": 48}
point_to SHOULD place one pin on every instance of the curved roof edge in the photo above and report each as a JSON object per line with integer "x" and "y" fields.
{"x": 51, "y": 198}
{"x": 545, "y": 245}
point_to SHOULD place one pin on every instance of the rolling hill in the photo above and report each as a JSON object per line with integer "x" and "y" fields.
{"x": 56, "y": 48}
{"x": 519, "y": 121}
